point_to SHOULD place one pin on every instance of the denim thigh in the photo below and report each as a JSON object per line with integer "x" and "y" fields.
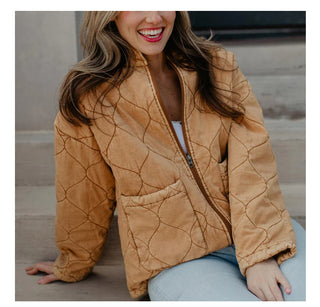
{"x": 217, "y": 277}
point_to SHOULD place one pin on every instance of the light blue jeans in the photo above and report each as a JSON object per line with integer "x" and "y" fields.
{"x": 216, "y": 277}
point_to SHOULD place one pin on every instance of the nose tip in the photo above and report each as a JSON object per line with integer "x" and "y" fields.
{"x": 153, "y": 17}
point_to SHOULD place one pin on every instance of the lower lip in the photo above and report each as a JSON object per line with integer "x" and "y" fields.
{"x": 152, "y": 39}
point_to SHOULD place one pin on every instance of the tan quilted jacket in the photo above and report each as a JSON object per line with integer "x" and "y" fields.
{"x": 171, "y": 207}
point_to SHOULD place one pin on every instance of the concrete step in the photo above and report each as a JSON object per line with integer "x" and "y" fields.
{"x": 35, "y": 211}
{"x": 34, "y": 158}
{"x": 40, "y": 201}
{"x": 280, "y": 96}
{"x": 288, "y": 140}
{"x": 35, "y": 153}
{"x": 37, "y": 91}
{"x": 270, "y": 57}
{"x": 276, "y": 69}
{"x": 105, "y": 283}
{"x": 35, "y": 240}
{"x": 34, "y": 231}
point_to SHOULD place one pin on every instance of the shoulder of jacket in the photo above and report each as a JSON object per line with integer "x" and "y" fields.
{"x": 62, "y": 125}
{"x": 223, "y": 59}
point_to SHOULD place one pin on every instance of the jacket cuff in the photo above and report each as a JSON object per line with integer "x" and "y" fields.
{"x": 281, "y": 251}
{"x": 70, "y": 273}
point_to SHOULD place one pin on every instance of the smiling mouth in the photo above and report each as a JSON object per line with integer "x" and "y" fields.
{"x": 151, "y": 33}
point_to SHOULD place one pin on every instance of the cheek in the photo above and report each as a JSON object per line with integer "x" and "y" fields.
{"x": 125, "y": 21}
{"x": 170, "y": 16}
{"x": 124, "y": 14}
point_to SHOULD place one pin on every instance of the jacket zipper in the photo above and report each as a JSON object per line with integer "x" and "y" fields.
{"x": 188, "y": 156}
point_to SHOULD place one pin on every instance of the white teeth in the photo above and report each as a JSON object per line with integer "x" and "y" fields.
{"x": 150, "y": 32}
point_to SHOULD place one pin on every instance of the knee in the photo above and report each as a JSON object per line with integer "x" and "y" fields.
{"x": 296, "y": 226}
{"x": 300, "y": 234}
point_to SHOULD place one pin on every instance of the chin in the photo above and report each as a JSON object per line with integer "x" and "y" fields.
{"x": 153, "y": 52}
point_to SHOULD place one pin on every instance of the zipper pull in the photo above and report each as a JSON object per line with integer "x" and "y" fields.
{"x": 189, "y": 160}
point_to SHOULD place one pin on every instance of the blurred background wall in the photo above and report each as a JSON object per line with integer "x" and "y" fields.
{"x": 46, "y": 47}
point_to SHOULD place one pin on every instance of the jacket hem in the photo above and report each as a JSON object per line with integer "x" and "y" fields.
{"x": 138, "y": 293}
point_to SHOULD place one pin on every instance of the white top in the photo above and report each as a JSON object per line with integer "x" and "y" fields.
{"x": 178, "y": 128}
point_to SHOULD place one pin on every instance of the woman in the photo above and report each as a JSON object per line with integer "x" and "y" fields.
{"x": 200, "y": 212}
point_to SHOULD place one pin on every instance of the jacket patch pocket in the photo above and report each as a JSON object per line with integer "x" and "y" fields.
{"x": 223, "y": 167}
{"x": 164, "y": 226}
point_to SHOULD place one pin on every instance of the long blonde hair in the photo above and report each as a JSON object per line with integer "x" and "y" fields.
{"x": 108, "y": 57}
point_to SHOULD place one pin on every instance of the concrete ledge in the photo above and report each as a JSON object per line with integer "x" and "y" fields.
{"x": 35, "y": 153}
{"x": 35, "y": 210}
{"x": 288, "y": 141}
{"x": 35, "y": 201}
{"x": 105, "y": 283}
{"x": 34, "y": 158}
{"x": 280, "y": 96}
{"x": 271, "y": 57}
{"x": 35, "y": 241}
{"x": 35, "y": 230}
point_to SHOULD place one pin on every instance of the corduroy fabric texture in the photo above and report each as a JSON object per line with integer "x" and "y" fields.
{"x": 130, "y": 157}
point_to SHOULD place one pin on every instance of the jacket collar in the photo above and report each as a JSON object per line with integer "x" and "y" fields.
{"x": 141, "y": 61}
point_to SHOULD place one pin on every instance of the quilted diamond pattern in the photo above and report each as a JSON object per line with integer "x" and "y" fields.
{"x": 167, "y": 217}
{"x": 257, "y": 207}
{"x": 168, "y": 213}
{"x": 85, "y": 200}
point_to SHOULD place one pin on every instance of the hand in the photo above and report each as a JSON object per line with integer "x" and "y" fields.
{"x": 46, "y": 267}
{"x": 263, "y": 279}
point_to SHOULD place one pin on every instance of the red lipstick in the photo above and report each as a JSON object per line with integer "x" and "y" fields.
{"x": 152, "y": 39}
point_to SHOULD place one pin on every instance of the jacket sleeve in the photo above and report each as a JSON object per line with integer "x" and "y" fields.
{"x": 261, "y": 225}
{"x": 85, "y": 200}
